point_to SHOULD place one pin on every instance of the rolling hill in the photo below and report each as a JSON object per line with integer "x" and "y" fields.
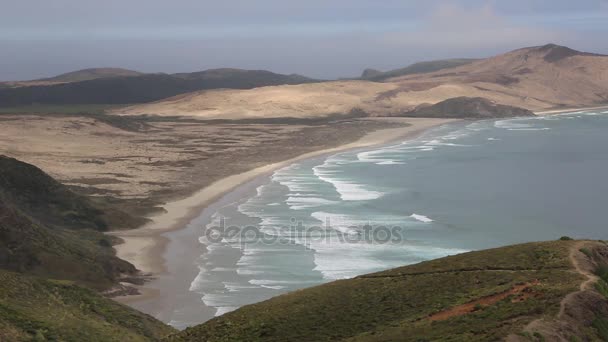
{"x": 92, "y": 74}
{"x": 140, "y": 88}
{"x": 535, "y": 78}
{"x": 47, "y": 230}
{"x": 530, "y": 292}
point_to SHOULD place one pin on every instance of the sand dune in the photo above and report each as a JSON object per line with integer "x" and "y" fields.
{"x": 537, "y": 78}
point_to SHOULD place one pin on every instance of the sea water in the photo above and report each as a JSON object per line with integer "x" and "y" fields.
{"x": 459, "y": 187}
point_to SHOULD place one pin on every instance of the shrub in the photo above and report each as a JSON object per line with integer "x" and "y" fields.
{"x": 602, "y": 272}
{"x": 601, "y": 326}
{"x": 602, "y": 287}
{"x": 539, "y": 336}
{"x": 586, "y": 251}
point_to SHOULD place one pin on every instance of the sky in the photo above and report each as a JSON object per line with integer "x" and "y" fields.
{"x": 317, "y": 38}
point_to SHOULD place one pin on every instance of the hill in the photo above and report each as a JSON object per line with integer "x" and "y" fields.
{"x": 416, "y": 68}
{"x": 141, "y": 88}
{"x": 535, "y": 78}
{"x": 35, "y": 309}
{"x": 91, "y": 74}
{"x": 530, "y": 292}
{"x": 469, "y": 107}
{"x": 45, "y": 200}
{"x": 47, "y": 230}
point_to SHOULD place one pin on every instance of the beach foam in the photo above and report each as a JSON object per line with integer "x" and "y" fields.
{"x": 421, "y": 218}
{"x": 224, "y": 310}
{"x": 348, "y": 190}
{"x": 511, "y": 124}
{"x": 530, "y": 129}
{"x": 304, "y": 202}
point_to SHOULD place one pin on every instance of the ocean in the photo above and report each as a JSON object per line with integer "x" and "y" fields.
{"x": 460, "y": 187}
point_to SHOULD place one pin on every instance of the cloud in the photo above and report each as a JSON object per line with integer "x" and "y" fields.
{"x": 450, "y": 25}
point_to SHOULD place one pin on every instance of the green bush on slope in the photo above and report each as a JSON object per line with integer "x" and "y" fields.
{"x": 32, "y": 308}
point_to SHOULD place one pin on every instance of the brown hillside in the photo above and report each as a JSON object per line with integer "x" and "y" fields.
{"x": 533, "y": 78}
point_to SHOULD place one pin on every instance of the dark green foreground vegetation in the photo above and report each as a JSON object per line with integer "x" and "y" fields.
{"x": 36, "y": 309}
{"x": 48, "y": 230}
{"x": 397, "y": 305}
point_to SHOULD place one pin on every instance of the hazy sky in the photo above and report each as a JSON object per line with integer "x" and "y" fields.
{"x": 319, "y": 38}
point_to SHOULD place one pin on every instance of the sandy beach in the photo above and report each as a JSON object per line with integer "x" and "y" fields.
{"x": 145, "y": 247}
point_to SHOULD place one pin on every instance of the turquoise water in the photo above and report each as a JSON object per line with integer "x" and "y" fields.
{"x": 460, "y": 187}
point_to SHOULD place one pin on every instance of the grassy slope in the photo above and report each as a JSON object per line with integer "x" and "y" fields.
{"x": 47, "y": 201}
{"x": 419, "y": 68}
{"x": 47, "y": 230}
{"x": 395, "y": 304}
{"x": 85, "y": 256}
{"x": 40, "y": 310}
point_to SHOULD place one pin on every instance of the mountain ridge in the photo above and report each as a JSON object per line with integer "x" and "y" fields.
{"x": 91, "y": 74}
{"x": 141, "y": 88}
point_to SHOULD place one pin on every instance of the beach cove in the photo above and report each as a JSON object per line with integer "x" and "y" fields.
{"x": 205, "y": 298}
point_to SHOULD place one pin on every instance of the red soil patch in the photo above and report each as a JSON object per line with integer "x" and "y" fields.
{"x": 522, "y": 291}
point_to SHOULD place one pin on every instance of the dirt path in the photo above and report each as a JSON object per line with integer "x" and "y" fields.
{"x": 576, "y": 258}
{"x": 473, "y": 306}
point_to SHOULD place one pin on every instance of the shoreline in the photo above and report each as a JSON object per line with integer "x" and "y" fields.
{"x": 145, "y": 247}
{"x": 154, "y": 249}
{"x": 568, "y": 110}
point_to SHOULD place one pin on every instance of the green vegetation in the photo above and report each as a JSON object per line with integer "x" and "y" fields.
{"x": 601, "y": 326}
{"x": 45, "y": 200}
{"x": 602, "y": 272}
{"x": 602, "y": 285}
{"x": 416, "y": 68}
{"x": 47, "y": 230}
{"x": 539, "y": 337}
{"x": 141, "y": 88}
{"x": 566, "y": 238}
{"x": 587, "y": 252}
{"x": 398, "y": 304}
{"x": 34, "y": 309}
